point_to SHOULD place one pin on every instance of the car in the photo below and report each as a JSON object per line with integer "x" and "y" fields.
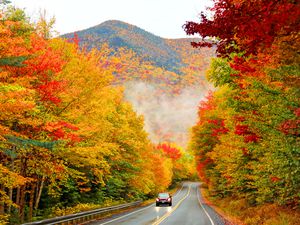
{"x": 164, "y": 198}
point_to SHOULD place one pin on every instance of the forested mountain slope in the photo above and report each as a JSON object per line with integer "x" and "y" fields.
{"x": 163, "y": 52}
{"x": 164, "y": 79}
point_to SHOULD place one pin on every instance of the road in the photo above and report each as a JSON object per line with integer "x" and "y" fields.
{"x": 187, "y": 209}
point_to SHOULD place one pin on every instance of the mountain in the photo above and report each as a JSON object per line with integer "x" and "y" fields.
{"x": 168, "y": 89}
{"x": 163, "y": 52}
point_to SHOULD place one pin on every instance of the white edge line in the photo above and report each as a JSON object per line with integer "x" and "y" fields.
{"x": 212, "y": 222}
{"x": 134, "y": 211}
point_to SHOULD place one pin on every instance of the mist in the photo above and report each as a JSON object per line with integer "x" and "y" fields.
{"x": 168, "y": 118}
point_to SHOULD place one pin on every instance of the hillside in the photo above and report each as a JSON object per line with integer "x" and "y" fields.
{"x": 164, "y": 53}
{"x": 164, "y": 83}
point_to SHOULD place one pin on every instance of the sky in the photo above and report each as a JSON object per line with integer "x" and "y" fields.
{"x": 160, "y": 17}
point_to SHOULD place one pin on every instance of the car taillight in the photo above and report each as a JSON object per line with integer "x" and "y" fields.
{"x": 169, "y": 199}
{"x": 157, "y": 199}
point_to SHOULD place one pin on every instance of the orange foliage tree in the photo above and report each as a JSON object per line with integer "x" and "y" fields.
{"x": 66, "y": 133}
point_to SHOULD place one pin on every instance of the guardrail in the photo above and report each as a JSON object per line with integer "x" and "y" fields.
{"x": 82, "y": 217}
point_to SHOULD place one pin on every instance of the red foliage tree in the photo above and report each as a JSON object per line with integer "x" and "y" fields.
{"x": 243, "y": 130}
{"x": 253, "y": 24}
{"x": 172, "y": 152}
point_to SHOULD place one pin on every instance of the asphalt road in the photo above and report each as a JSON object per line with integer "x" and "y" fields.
{"x": 187, "y": 209}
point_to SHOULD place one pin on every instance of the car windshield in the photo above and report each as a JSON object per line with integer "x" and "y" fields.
{"x": 163, "y": 195}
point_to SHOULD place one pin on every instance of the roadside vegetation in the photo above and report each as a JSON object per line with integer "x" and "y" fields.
{"x": 237, "y": 211}
{"x": 246, "y": 141}
{"x": 68, "y": 139}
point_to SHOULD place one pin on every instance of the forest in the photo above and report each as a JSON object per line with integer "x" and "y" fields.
{"x": 246, "y": 140}
{"x": 68, "y": 139}
{"x": 71, "y": 138}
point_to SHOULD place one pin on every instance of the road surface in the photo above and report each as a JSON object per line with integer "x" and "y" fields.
{"x": 187, "y": 209}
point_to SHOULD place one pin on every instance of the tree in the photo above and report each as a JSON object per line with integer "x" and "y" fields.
{"x": 248, "y": 26}
{"x": 256, "y": 156}
{"x": 44, "y": 27}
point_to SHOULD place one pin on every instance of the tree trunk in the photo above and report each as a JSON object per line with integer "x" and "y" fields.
{"x": 36, "y": 195}
{"x": 18, "y": 196}
{"x": 22, "y": 190}
{"x": 31, "y": 200}
{"x": 1, "y": 202}
{"x": 22, "y": 203}
{"x": 36, "y": 205}
{"x": 10, "y": 192}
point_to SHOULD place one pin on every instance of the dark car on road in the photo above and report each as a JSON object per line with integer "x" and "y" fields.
{"x": 164, "y": 198}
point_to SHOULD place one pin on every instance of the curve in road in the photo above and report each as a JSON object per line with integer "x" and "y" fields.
{"x": 187, "y": 209}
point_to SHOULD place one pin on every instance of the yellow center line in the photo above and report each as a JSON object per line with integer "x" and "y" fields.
{"x": 169, "y": 213}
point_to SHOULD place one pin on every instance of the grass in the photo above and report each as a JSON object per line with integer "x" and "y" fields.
{"x": 81, "y": 207}
{"x": 239, "y": 212}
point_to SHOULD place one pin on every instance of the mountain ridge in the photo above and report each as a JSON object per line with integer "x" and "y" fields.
{"x": 146, "y": 44}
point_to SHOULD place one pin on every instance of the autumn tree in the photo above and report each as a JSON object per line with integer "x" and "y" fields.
{"x": 66, "y": 134}
{"x": 257, "y": 74}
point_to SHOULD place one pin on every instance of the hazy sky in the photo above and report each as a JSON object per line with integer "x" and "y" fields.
{"x": 160, "y": 17}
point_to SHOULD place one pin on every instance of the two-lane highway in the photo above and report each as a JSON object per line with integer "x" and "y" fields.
{"x": 190, "y": 211}
{"x": 187, "y": 209}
